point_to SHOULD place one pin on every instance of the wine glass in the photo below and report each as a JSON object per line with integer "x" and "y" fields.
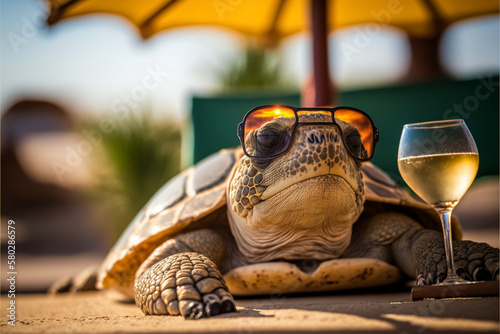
{"x": 439, "y": 160}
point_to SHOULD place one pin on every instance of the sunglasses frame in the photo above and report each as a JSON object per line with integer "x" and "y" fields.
{"x": 241, "y": 127}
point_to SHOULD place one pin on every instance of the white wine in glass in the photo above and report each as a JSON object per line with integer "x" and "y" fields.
{"x": 439, "y": 161}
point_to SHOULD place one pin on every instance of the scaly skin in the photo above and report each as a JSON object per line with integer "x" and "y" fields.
{"x": 186, "y": 284}
{"x": 473, "y": 261}
{"x": 179, "y": 278}
{"x": 206, "y": 242}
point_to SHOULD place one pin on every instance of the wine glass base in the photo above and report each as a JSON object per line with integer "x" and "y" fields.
{"x": 457, "y": 290}
{"x": 456, "y": 280}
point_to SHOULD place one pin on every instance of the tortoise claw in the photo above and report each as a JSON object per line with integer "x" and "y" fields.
{"x": 212, "y": 304}
{"x": 481, "y": 274}
{"x": 227, "y": 301}
{"x": 420, "y": 280}
{"x": 463, "y": 274}
{"x": 441, "y": 278}
{"x": 194, "y": 311}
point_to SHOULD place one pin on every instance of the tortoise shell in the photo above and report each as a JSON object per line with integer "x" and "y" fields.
{"x": 191, "y": 199}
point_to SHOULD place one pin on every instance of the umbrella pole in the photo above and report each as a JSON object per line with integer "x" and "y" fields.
{"x": 321, "y": 73}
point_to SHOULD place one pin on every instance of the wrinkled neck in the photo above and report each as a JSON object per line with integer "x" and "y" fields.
{"x": 263, "y": 243}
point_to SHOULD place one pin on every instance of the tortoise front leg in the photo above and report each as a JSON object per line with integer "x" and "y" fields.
{"x": 178, "y": 279}
{"x": 419, "y": 252}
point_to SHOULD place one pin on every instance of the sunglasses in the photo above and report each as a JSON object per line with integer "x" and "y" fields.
{"x": 357, "y": 129}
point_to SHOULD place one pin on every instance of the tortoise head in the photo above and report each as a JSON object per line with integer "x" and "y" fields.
{"x": 315, "y": 186}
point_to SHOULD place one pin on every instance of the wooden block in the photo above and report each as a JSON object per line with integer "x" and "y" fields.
{"x": 476, "y": 289}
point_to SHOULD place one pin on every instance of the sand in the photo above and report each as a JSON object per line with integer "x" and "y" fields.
{"x": 387, "y": 310}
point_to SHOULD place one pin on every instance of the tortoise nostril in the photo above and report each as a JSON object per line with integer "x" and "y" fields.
{"x": 313, "y": 139}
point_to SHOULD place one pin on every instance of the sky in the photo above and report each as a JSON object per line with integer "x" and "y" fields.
{"x": 94, "y": 64}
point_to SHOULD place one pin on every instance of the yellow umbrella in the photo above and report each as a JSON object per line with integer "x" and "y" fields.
{"x": 270, "y": 20}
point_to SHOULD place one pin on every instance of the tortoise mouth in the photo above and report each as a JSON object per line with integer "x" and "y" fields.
{"x": 286, "y": 184}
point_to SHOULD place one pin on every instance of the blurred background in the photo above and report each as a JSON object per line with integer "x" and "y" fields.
{"x": 97, "y": 113}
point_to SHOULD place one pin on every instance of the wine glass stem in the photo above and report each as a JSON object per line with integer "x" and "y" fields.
{"x": 445, "y": 216}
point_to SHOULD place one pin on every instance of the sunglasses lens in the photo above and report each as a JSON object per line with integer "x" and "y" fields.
{"x": 261, "y": 116}
{"x": 364, "y": 127}
{"x": 271, "y": 144}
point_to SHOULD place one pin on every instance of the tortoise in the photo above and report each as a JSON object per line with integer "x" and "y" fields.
{"x": 264, "y": 219}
